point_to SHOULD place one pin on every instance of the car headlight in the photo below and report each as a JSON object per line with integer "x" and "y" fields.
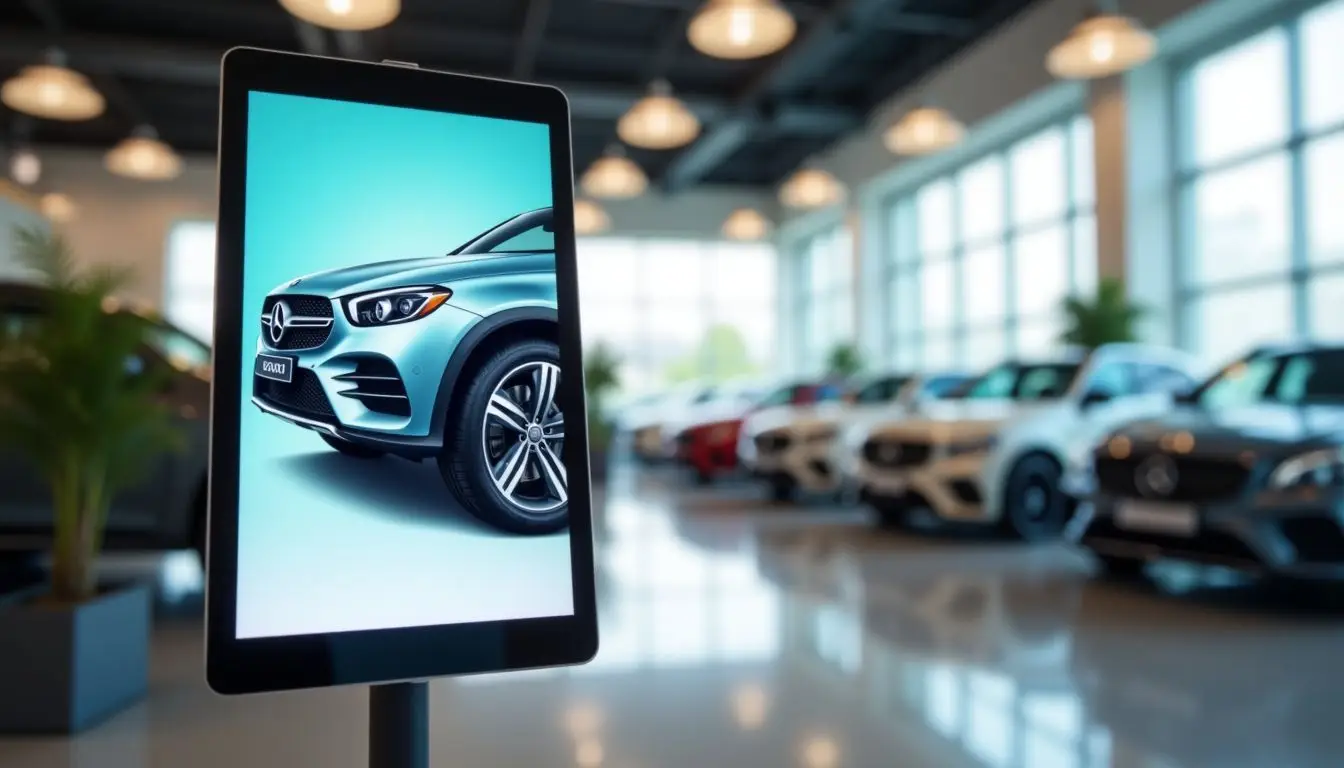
{"x": 397, "y": 305}
{"x": 1313, "y": 468}
{"x": 979, "y": 445}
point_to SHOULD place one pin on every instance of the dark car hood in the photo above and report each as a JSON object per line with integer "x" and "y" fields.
{"x": 1257, "y": 427}
{"x": 437, "y": 270}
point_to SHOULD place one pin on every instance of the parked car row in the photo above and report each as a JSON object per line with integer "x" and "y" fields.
{"x": 1125, "y": 448}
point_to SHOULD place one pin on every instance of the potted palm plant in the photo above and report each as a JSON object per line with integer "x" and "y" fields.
{"x": 600, "y": 378}
{"x": 1108, "y": 318}
{"x": 843, "y": 362}
{"x": 77, "y": 404}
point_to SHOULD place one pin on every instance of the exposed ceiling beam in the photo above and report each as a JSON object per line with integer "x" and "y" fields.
{"x": 823, "y": 40}
{"x": 195, "y": 65}
{"x": 529, "y": 40}
{"x": 47, "y": 14}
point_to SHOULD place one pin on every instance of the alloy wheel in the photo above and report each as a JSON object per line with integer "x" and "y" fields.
{"x": 523, "y": 439}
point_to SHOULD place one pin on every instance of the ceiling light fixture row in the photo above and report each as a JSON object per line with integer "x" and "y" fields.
{"x": 53, "y": 91}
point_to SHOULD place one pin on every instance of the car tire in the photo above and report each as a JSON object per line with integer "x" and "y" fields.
{"x": 782, "y": 489}
{"x": 490, "y": 435}
{"x": 703, "y": 477}
{"x": 1035, "y": 508}
{"x": 355, "y": 450}
{"x": 1125, "y": 568}
{"x": 892, "y": 514}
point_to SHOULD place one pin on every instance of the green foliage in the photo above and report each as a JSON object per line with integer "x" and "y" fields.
{"x": 601, "y": 377}
{"x": 844, "y": 361}
{"x": 721, "y": 355}
{"x": 70, "y": 403}
{"x": 1109, "y": 318}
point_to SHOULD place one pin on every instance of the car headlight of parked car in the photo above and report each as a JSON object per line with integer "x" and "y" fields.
{"x": 397, "y": 305}
{"x": 1314, "y": 468}
{"x": 978, "y": 445}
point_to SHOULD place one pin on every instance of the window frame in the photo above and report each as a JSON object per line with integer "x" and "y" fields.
{"x": 1186, "y": 174}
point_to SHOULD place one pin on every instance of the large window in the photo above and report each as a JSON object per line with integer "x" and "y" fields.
{"x": 980, "y": 260}
{"x": 189, "y": 278}
{"x": 824, "y": 282}
{"x": 1261, "y": 185}
{"x": 676, "y": 310}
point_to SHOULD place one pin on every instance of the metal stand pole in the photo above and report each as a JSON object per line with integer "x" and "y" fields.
{"x": 399, "y": 725}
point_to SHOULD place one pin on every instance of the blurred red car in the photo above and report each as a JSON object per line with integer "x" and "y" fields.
{"x": 709, "y": 448}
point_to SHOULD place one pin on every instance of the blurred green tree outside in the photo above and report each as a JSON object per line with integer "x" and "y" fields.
{"x": 721, "y": 355}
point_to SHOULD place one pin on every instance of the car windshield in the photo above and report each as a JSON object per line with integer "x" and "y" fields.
{"x": 529, "y": 232}
{"x": 1016, "y": 381}
{"x": 882, "y": 390}
{"x": 1308, "y": 377}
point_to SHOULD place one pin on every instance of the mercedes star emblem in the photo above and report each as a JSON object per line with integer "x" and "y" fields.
{"x": 1156, "y": 476}
{"x": 279, "y": 319}
{"x": 890, "y": 452}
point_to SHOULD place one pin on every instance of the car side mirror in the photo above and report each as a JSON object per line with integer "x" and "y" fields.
{"x": 1095, "y": 397}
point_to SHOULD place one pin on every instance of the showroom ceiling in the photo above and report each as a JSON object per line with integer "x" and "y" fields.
{"x": 157, "y": 63}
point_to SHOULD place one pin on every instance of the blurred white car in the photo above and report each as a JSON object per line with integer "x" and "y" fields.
{"x": 995, "y": 455}
{"x": 794, "y": 446}
{"x": 729, "y": 401}
{"x": 647, "y": 420}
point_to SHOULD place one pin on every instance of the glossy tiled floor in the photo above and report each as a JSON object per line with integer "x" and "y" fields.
{"x": 736, "y": 634}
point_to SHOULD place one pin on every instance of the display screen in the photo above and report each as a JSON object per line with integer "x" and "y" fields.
{"x": 401, "y": 437}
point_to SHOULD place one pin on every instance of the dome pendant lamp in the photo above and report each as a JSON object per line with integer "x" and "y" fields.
{"x": 746, "y": 224}
{"x": 658, "y": 121}
{"x": 347, "y": 15}
{"x": 589, "y": 218}
{"x": 52, "y": 91}
{"x": 1103, "y": 44}
{"x": 143, "y": 156}
{"x": 923, "y": 131}
{"x": 811, "y": 188}
{"x": 741, "y": 29}
{"x": 614, "y": 176}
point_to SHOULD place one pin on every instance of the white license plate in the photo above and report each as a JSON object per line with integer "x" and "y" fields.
{"x": 1176, "y": 519}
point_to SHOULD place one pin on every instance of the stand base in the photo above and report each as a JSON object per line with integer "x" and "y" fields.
{"x": 399, "y": 725}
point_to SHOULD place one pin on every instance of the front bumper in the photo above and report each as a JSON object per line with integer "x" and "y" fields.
{"x": 411, "y": 356}
{"x": 951, "y": 487}
{"x": 1293, "y": 536}
{"x": 809, "y": 463}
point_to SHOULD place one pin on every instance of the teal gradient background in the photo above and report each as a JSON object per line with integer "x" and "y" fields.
{"x": 328, "y": 543}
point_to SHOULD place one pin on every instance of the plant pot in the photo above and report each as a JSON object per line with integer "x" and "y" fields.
{"x": 64, "y": 668}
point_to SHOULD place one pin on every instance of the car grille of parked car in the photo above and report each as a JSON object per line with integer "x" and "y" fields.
{"x": 896, "y": 453}
{"x": 772, "y": 442}
{"x": 299, "y": 306}
{"x": 1197, "y": 479}
{"x": 377, "y": 385}
{"x": 303, "y": 396}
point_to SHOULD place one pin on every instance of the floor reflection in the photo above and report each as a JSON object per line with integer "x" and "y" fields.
{"x": 735, "y": 632}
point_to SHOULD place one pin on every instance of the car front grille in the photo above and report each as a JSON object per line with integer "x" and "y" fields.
{"x": 316, "y": 307}
{"x": 377, "y": 385}
{"x": 896, "y": 453}
{"x": 303, "y": 396}
{"x": 772, "y": 442}
{"x": 1197, "y": 479}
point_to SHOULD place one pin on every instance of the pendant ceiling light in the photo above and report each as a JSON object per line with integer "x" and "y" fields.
{"x": 25, "y": 167}
{"x": 923, "y": 131}
{"x": 658, "y": 121}
{"x": 143, "y": 156}
{"x": 1104, "y": 44}
{"x": 352, "y": 15}
{"x": 53, "y": 92}
{"x": 57, "y": 207}
{"x": 589, "y": 218}
{"x": 613, "y": 175}
{"x": 741, "y": 29}
{"x": 746, "y": 224}
{"x": 811, "y": 188}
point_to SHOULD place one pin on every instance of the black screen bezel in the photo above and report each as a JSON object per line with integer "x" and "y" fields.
{"x": 307, "y": 661}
